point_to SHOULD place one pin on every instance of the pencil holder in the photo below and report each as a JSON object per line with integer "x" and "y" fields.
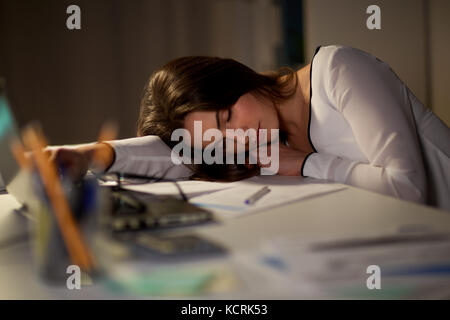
{"x": 50, "y": 252}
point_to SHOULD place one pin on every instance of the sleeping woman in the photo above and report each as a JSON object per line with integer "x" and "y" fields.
{"x": 344, "y": 117}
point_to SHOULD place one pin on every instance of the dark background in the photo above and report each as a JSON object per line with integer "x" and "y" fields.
{"x": 74, "y": 80}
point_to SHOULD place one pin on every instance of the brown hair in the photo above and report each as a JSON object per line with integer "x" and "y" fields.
{"x": 206, "y": 83}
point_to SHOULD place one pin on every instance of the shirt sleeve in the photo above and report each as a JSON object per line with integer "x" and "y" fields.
{"x": 374, "y": 102}
{"x": 147, "y": 155}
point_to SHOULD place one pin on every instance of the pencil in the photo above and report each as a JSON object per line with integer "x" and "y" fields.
{"x": 77, "y": 249}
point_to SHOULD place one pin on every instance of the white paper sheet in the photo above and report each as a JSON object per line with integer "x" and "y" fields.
{"x": 230, "y": 203}
{"x": 190, "y": 188}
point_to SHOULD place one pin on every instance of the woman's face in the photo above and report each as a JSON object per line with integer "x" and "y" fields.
{"x": 249, "y": 112}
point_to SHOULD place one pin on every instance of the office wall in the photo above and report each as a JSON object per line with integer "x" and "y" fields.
{"x": 71, "y": 81}
{"x": 413, "y": 39}
{"x": 440, "y": 57}
{"x": 400, "y": 42}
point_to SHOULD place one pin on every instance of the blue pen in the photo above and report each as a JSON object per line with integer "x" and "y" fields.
{"x": 258, "y": 195}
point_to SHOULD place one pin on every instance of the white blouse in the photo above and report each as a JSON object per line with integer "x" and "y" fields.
{"x": 361, "y": 125}
{"x": 147, "y": 155}
{"x": 361, "y": 128}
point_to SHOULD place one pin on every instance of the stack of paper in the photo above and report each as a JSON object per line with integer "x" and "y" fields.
{"x": 409, "y": 265}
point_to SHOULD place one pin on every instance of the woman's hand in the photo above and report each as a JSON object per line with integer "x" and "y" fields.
{"x": 290, "y": 161}
{"x": 77, "y": 161}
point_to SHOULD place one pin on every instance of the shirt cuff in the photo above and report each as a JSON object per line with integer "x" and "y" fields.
{"x": 327, "y": 167}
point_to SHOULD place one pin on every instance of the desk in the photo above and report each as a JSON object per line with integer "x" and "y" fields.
{"x": 346, "y": 213}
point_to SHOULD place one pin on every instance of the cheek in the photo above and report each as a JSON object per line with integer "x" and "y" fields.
{"x": 247, "y": 113}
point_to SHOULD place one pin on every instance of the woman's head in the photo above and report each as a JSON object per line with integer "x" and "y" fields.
{"x": 221, "y": 93}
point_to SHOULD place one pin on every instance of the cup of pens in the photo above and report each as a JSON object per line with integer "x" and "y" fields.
{"x": 51, "y": 250}
{"x": 65, "y": 213}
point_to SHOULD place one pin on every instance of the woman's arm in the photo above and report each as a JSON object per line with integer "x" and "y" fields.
{"x": 147, "y": 155}
{"x": 375, "y": 104}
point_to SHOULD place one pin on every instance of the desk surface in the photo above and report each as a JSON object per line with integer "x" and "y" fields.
{"x": 342, "y": 214}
